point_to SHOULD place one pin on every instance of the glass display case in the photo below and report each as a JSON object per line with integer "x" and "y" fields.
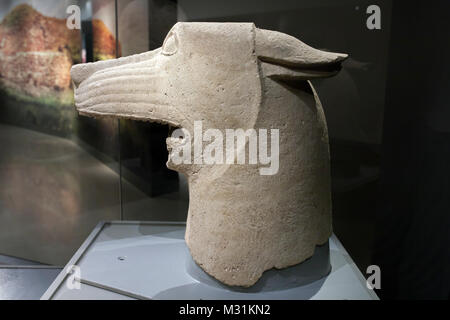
{"x": 387, "y": 114}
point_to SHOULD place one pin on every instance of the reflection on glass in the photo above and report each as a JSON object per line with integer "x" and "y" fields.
{"x": 56, "y": 171}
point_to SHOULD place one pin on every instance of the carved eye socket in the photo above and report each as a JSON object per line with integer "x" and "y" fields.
{"x": 170, "y": 45}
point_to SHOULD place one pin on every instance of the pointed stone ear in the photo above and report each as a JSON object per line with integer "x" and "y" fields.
{"x": 284, "y": 56}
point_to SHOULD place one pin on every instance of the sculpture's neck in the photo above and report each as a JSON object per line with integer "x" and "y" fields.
{"x": 238, "y": 216}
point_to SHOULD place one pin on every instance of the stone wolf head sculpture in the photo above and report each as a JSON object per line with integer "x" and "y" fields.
{"x": 229, "y": 76}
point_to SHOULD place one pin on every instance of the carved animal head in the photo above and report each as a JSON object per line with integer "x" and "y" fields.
{"x": 230, "y": 76}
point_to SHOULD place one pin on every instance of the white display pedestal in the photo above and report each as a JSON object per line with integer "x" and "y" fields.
{"x": 150, "y": 260}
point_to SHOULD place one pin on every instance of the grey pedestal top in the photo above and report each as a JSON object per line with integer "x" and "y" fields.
{"x": 150, "y": 260}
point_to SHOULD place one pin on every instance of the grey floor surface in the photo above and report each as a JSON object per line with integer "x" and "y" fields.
{"x": 22, "y": 279}
{"x": 25, "y": 282}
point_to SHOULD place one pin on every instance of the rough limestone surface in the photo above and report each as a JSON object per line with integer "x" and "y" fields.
{"x": 229, "y": 76}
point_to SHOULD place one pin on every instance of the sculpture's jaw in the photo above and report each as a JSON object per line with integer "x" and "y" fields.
{"x": 136, "y": 87}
